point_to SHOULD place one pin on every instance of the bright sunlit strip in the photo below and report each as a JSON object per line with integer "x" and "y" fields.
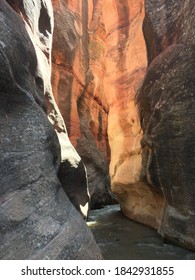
{"x": 92, "y": 223}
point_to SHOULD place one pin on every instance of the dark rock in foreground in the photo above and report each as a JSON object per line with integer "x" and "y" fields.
{"x": 167, "y": 109}
{"x": 37, "y": 220}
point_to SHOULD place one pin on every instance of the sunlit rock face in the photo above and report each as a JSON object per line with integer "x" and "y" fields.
{"x": 102, "y": 53}
{"x": 37, "y": 220}
{"x": 126, "y": 61}
{"x": 78, "y": 72}
{"x": 167, "y": 110}
{"x": 99, "y": 60}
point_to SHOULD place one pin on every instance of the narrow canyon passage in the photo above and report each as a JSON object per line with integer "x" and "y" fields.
{"x": 97, "y": 105}
{"x": 123, "y": 78}
{"x": 122, "y": 239}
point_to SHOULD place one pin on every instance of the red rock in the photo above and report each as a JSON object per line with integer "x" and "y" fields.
{"x": 101, "y": 54}
{"x": 78, "y": 71}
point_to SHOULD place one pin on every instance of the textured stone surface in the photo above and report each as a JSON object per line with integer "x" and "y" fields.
{"x": 100, "y": 57}
{"x": 37, "y": 220}
{"x": 98, "y": 70}
{"x": 99, "y": 60}
{"x": 167, "y": 112}
{"x": 166, "y": 23}
{"x": 126, "y": 62}
{"x": 39, "y": 24}
{"x": 167, "y": 108}
{"x": 102, "y": 53}
{"x": 78, "y": 70}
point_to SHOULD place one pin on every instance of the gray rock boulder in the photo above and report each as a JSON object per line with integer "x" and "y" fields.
{"x": 167, "y": 109}
{"x": 37, "y": 220}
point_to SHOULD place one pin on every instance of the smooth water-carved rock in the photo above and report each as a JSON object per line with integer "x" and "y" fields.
{"x": 99, "y": 61}
{"x": 100, "y": 57}
{"x": 117, "y": 48}
{"x": 101, "y": 52}
{"x": 166, "y": 103}
{"x": 167, "y": 108}
{"x": 126, "y": 62}
{"x": 39, "y": 19}
{"x": 77, "y": 79}
{"x": 37, "y": 220}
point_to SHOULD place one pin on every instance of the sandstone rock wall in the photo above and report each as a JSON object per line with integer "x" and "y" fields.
{"x": 99, "y": 60}
{"x": 37, "y": 220}
{"x": 102, "y": 53}
{"x": 126, "y": 61}
{"x": 167, "y": 109}
{"x": 123, "y": 80}
{"x": 78, "y": 71}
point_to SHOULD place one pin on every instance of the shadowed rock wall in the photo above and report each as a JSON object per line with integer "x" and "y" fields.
{"x": 37, "y": 220}
{"x": 167, "y": 111}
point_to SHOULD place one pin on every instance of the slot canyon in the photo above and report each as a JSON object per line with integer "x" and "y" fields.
{"x": 96, "y": 108}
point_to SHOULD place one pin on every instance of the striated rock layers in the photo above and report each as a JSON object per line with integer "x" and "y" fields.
{"x": 37, "y": 220}
{"x": 102, "y": 53}
{"x": 77, "y": 80}
{"x": 123, "y": 80}
{"x": 167, "y": 110}
{"x": 99, "y": 59}
{"x": 126, "y": 62}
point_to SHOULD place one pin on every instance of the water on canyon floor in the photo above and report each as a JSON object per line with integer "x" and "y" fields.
{"x": 122, "y": 239}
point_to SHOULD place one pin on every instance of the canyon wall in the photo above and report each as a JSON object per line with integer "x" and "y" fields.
{"x": 123, "y": 82}
{"x": 99, "y": 61}
{"x": 78, "y": 70}
{"x": 126, "y": 62}
{"x": 37, "y": 220}
{"x": 167, "y": 111}
{"x": 102, "y": 53}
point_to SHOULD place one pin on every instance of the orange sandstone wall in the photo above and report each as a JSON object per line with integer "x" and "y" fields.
{"x": 99, "y": 62}
{"x": 112, "y": 63}
{"x": 78, "y": 73}
{"x": 126, "y": 62}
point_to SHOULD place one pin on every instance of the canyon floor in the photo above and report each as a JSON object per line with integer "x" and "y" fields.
{"x": 122, "y": 239}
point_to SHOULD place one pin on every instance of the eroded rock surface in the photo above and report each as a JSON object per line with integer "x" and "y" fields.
{"x": 126, "y": 61}
{"x": 99, "y": 60}
{"x": 102, "y": 53}
{"x": 166, "y": 23}
{"x": 167, "y": 111}
{"x": 100, "y": 63}
{"x": 37, "y": 220}
{"x": 78, "y": 89}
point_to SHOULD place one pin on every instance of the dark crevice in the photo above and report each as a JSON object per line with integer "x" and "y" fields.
{"x": 44, "y": 21}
